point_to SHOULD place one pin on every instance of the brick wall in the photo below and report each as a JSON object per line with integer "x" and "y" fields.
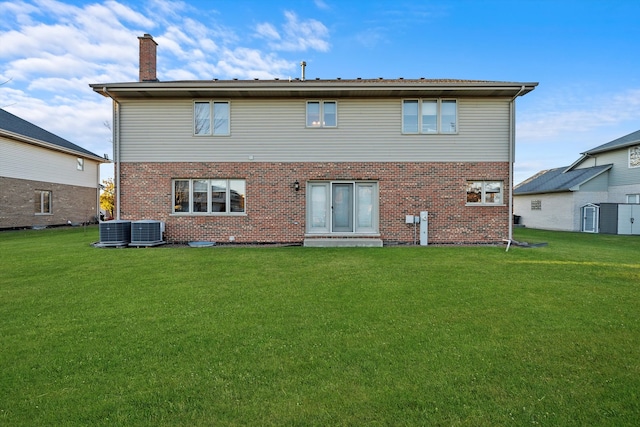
{"x": 69, "y": 203}
{"x": 276, "y": 212}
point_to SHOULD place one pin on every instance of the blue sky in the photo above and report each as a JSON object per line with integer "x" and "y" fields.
{"x": 583, "y": 53}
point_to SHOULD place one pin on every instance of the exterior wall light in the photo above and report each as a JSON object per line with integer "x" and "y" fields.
{"x": 296, "y": 185}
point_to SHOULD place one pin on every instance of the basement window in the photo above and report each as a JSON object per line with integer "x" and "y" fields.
{"x": 484, "y": 193}
{"x": 209, "y": 196}
{"x": 42, "y": 202}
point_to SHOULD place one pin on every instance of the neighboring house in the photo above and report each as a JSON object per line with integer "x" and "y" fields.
{"x": 322, "y": 162}
{"x": 45, "y": 180}
{"x": 570, "y": 198}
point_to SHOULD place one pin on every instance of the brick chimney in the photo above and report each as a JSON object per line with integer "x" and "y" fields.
{"x": 147, "y": 58}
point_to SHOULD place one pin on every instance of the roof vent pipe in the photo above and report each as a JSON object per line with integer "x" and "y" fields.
{"x": 303, "y": 64}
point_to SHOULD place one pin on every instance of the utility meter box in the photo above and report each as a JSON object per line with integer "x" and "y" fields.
{"x": 424, "y": 228}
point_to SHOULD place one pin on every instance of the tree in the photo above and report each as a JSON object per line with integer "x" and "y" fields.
{"x": 108, "y": 197}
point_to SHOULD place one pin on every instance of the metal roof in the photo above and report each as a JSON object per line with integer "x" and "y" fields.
{"x": 559, "y": 180}
{"x": 296, "y": 88}
{"x": 622, "y": 142}
{"x": 16, "y": 128}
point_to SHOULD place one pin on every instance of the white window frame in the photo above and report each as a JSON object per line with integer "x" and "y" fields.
{"x": 211, "y": 118}
{"x": 40, "y": 196}
{"x": 633, "y": 198}
{"x": 323, "y": 225}
{"x": 634, "y": 157}
{"x": 420, "y": 128}
{"x": 228, "y": 202}
{"x": 484, "y": 190}
{"x": 321, "y": 123}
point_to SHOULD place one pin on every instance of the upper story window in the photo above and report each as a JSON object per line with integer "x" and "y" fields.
{"x": 209, "y": 196}
{"x": 80, "y": 164}
{"x": 322, "y": 114}
{"x": 484, "y": 193}
{"x": 42, "y": 199}
{"x": 211, "y": 118}
{"x": 634, "y": 157}
{"x": 429, "y": 116}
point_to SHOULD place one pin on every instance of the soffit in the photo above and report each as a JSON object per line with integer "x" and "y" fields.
{"x": 379, "y": 88}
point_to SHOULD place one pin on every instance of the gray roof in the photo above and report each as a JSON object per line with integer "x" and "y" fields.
{"x": 21, "y": 127}
{"x": 622, "y": 142}
{"x": 558, "y": 180}
{"x": 366, "y": 88}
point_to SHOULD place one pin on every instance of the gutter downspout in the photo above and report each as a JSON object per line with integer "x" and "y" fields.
{"x": 512, "y": 157}
{"x": 116, "y": 149}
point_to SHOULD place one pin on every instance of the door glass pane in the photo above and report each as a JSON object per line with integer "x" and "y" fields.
{"x": 200, "y": 188}
{"x": 181, "y": 196}
{"x": 342, "y": 207}
{"x": 449, "y": 117}
{"x": 201, "y": 118}
{"x": 589, "y": 219}
{"x": 429, "y": 116}
{"x": 218, "y": 195}
{"x": 318, "y": 206}
{"x": 237, "y": 194}
{"x": 330, "y": 114}
{"x": 364, "y": 217}
{"x": 410, "y": 116}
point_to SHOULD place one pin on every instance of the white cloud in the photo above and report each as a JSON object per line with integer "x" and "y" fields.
{"x": 267, "y": 31}
{"x": 565, "y": 118}
{"x": 251, "y": 63}
{"x": 296, "y": 35}
{"x": 320, "y": 4}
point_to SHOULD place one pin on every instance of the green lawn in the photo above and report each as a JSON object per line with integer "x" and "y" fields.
{"x": 292, "y": 336}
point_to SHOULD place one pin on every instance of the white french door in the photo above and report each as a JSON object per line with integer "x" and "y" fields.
{"x": 342, "y": 207}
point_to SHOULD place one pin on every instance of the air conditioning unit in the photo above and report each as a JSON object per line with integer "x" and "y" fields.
{"x": 115, "y": 233}
{"x": 147, "y": 233}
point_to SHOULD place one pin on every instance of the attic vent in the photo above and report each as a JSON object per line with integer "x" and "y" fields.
{"x": 115, "y": 233}
{"x": 147, "y": 233}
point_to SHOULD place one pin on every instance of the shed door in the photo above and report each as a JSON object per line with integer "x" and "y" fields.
{"x": 628, "y": 219}
{"x": 590, "y": 219}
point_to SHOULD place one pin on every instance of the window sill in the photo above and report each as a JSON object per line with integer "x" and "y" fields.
{"x": 486, "y": 204}
{"x": 338, "y": 235}
{"x": 217, "y": 214}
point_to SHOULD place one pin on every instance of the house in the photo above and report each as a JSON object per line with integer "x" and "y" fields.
{"x": 319, "y": 162}
{"x": 570, "y": 198}
{"x": 45, "y": 180}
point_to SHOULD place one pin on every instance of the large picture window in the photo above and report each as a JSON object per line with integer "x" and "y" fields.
{"x": 211, "y": 118}
{"x": 42, "y": 202}
{"x": 429, "y": 116}
{"x": 209, "y": 196}
{"x": 342, "y": 207}
{"x": 322, "y": 114}
{"x": 484, "y": 193}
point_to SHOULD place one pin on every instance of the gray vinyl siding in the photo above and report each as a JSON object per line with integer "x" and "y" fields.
{"x": 620, "y": 173}
{"x": 29, "y": 162}
{"x": 274, "y": 130}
